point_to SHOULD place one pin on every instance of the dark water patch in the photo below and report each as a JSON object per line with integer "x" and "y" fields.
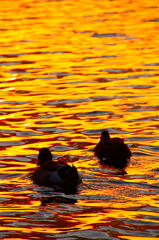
{"x": 44, "y": 122}
{"x": 11, "y": 120}
{"x": 147, "y": 187}
{"x": 141, "y": 86}
{"x": 152, "y": 20}
{"x": 84, "y": 234}
{"x": 110, "y": 13}
{"x": 45, "y": 52}
{"x": 150, "y": 209}
{"x": 8, "y": 131}
{"x": 16, "y": 63}
{"x": 151, "y": 64}
{"x": 110, "y": 130}
{"x": 145, "y": 119}
{"x": 45, "y": 78}
{"x": 31, "y": 156}
{"x": 142, "y": 76}
{"x": 87, "y": 31}
{"x": 102, "y": 79}
{"x": 21, "y": 92}
{"x": 103, "y": 35}
{"x": 58, "y": 199}
{"x": 19, "y": 159}
{"x": 131, "y": 230}
{"x": 78, "y": 100}
{"x": 81, "y": 81}
{"x": 5, "y": 46}
{"x": 138, "y": 109}
{"x": 155, "y": 218}
{"x": 129, "y": 70}
{"x": 104, "y": 56}
{"x": 11, "y": 143}
{"x": 141, "y": 138}
{"x": 153, "y": 150}
{"x": 140, "y": 223}
{"x": 60, "y": 74}
{"x": 141, "y": 186}
{"x": 50, "y": 103}
{"x": 9, "y": 176}
{"x": 117, "y": 70}
{"x": 156, "y": 148}
{"x": 140, "y": 152}
{"x": 27, "y": 41}
{"x": 97, "y": 120}
{"x": 40, "y": 52}
{"x": 52, "y": 130}
{"x": 27, "y": 133}
{"x": 11, "y": 103}
{"x": 12, "y": 55}
{"x": 103, "y": 98}
{"x": 25, "y": 79}
{"x": 3, "y": 29}
{"x": 43, "y": 116}
{"x": 17, "y": 80}
{"x": 19, "y": 71}
{"x": 96, "y": 113}
{"x": 61, "y": 148}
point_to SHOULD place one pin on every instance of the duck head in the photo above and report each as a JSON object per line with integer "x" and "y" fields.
{"x": 44, "y": 156}
{"x": 105, "y": 135}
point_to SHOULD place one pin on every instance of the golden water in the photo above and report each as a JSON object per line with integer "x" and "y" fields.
{"x": 68, "y": 70}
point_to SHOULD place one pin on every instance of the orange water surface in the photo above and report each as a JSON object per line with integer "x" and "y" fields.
{"x": 68, "y": 70}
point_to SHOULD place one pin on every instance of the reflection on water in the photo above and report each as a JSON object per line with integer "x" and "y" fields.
{"x": 69, "y": 70}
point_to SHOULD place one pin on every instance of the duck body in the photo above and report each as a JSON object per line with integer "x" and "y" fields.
{"x": 55, "y": 173}
{"x": 112, "y": 151}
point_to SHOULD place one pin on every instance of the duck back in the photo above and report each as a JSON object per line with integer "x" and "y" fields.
{"x": 55, "y": 173}
{"x": 66, "y": 176}
{"x": 113, "y": 152}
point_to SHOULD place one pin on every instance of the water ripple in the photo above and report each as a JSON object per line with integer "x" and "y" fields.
{"x": 68, "y": 72}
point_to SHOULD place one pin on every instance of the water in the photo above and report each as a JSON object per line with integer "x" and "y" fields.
{"x": 70, "y": 69}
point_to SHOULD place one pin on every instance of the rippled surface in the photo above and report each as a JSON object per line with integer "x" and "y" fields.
{"x": 70, "y": 69}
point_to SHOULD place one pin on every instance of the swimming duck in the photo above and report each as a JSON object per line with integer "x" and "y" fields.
{"x": 55, "y": 173}
{"x": 112, "y": 151}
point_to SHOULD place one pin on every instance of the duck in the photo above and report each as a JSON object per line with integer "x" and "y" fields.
{"x": 56, "y": 174}
{"x": 112, "y": 151}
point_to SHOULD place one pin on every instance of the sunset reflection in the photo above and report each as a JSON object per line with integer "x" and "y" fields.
{"x": 70, "y": 70}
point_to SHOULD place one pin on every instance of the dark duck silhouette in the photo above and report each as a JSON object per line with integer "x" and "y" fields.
{"x": 112, "y": 151}
{"x": 55, "y": 173}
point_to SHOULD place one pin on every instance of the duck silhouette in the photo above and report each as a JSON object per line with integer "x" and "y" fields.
{"x": 112, "y": 151}
{"x": 55, "y": 173}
